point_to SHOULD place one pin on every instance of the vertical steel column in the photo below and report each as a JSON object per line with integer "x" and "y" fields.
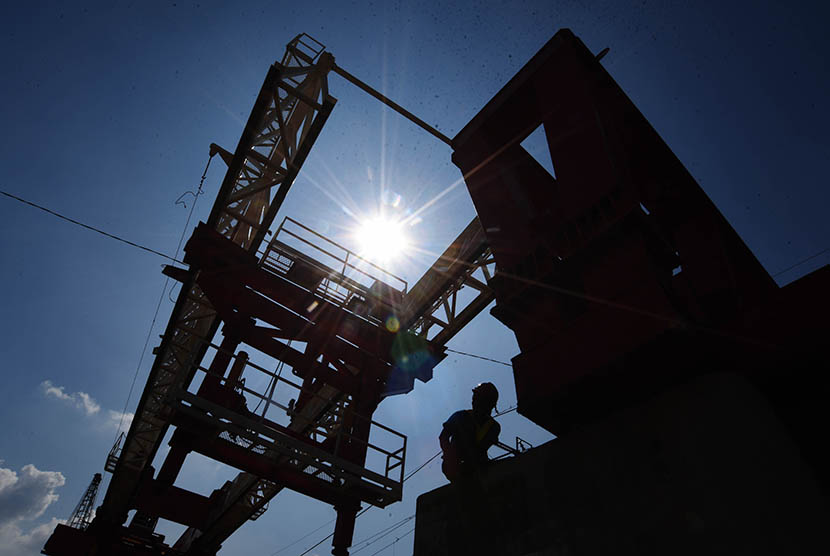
{"x": 179, "y": 449}
{"x": 237, "y": 368}
{"x": 344, "y": 528}
{"x": 220, "y": 362}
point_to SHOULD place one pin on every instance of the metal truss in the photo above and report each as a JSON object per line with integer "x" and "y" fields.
{"x": 287, "y": 117}
{"x": 82, "y": 516}
{"x": 289, "y": 113}
{"x": 448, "y": 313}
{"x": 433, "y": 307}
{"x": 349, "y": 286}
{"x": 247, "y": 496}
{"x": 329, "y": 469}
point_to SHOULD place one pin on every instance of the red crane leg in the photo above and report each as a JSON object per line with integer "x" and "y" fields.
{"x": 344, "y": 528}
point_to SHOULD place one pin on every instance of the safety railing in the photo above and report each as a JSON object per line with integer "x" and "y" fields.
{"x": 114, "y": 454}
{"x": 321, "y": 421}
{"x": 522, "y": 446}
{"x": 337, "y": 274}
{"x": 302, "y": 50}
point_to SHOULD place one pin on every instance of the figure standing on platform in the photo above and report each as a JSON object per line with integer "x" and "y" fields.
{"x": 469, "y": 433}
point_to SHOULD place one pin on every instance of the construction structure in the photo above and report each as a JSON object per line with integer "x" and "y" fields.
{"x": 687, "y": 390}
{"x": 85, "y": 510}
{"x": 351, "y": 332}
{"x": 620, "y": 279}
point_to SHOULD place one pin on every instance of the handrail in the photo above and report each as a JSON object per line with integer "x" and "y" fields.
{"x": 282, "y": 228}
{"x": 318, "y": 427}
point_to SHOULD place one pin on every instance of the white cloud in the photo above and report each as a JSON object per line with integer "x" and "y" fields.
{"x": 25, "y": 496}
{"x": 87, "y": 404}
{"x": 81, "y": 400}
{"x": 14, "y": 541}
{"x": 114, "y": 419}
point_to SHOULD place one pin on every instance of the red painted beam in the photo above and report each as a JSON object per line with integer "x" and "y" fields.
{"x": 265, "y": 467}
{"x": 345, "y": 382}
{"x": 174, "y": 504}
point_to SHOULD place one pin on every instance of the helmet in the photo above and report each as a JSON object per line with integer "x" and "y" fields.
{"x": 488, "y": 392}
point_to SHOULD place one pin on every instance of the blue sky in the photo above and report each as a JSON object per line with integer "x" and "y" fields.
{"x": 108, "y": 110}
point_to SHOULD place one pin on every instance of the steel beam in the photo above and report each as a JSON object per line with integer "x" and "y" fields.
{"x": 282, "y": 128}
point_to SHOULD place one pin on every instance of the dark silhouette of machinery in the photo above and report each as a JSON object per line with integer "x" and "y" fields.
{"x": 687, "y": 389}
{"x": 85, "y": 510}
{"x": 618, "y": 276}
{"x": 351, "y": 332}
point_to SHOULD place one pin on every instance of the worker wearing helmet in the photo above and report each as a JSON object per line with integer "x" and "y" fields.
{"x": 468, "y": 434}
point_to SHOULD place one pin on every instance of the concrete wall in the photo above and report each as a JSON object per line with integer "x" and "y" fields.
{"x": 706, "y": 468}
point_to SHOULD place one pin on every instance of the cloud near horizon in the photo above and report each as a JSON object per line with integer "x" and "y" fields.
{"x": 25, "y": 496}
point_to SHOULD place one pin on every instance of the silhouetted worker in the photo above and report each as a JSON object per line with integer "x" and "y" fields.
{"x": 469, "y": 433}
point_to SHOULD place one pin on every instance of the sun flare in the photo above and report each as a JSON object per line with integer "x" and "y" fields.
{"x": 381, "y": 239}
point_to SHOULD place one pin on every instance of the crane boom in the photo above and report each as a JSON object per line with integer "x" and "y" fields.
{"x": 290, "y": 110}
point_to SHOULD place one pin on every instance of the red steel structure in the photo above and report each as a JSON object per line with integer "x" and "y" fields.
{"x": 351, "y": 332}
{"x": 617, "y": 275}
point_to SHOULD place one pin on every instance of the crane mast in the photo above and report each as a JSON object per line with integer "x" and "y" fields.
{"x": 85, "y": 510}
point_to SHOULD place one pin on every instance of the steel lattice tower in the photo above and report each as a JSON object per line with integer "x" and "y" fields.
{"x": 83, "y": 514}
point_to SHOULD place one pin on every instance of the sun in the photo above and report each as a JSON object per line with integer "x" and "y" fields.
{"x": 381, "y": 239}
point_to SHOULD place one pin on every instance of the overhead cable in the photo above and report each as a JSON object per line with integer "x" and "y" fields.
{"x": 367, "y": 508}
{"x": 393, "y": 542}
{"x": 88, "y": 227}
{"x": 161, "y": 298}
{"x": 801, "y": 262}
{"x": 355, "y": 548}
{"x": 302, "y": 538}
{"x": 479, "y": 357}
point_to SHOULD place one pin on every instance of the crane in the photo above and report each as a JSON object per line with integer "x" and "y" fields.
{"x": 366, "y": 336}
{"x": 85, "y": 510}
{"x": 618, "y": 276}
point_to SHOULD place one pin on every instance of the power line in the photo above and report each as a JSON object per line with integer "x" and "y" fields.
{"x": 801, "y": 262}
{"x": 393, "y": 542}
{"x": 88, "y": 227}
{"x": 379, "y": 535}
{"x": 141, "y": 359}
{"x": 427, "y": 462}
{"x": 324, "y": 539}
{"x": 330, "y": 535}
{"x": 563, "y": 291}
{"x": 178, "y": 247}
{"x": 302, "y": 538}
{"x": 422, "y": 465}
{"x": 366, "y": 509}
{"x": 161, "y": 298}
{"x": 479, "y": 357}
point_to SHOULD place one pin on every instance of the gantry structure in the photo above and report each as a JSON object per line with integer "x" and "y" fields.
{"x": 618, "y": 276}
{"x": 351, "y": 332}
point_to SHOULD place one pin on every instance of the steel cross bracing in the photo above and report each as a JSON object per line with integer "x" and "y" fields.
{"x": 286, "y": 119}
{"x": 433, "y": 303}
{"x": 82, "y": 516}
{"x": 289, "y": 113}
{"x": 304, "y": 286}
